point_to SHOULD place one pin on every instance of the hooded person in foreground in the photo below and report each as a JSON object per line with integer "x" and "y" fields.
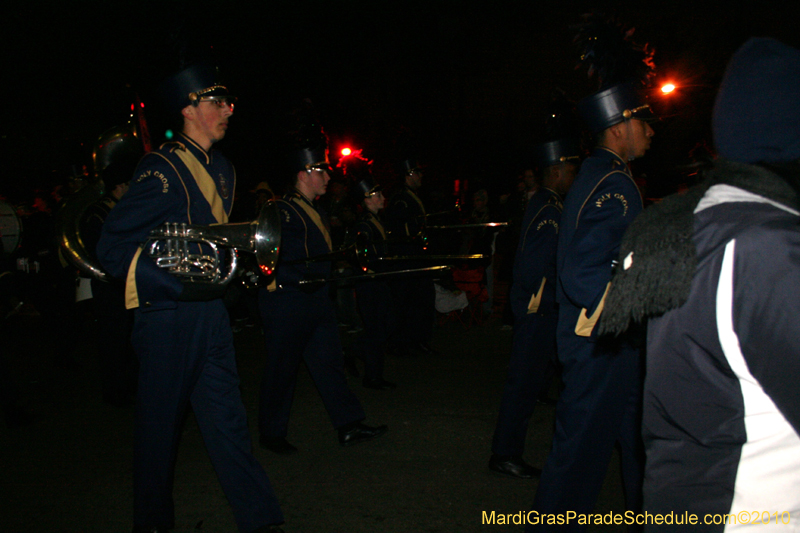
{"x": 716, "y": 272}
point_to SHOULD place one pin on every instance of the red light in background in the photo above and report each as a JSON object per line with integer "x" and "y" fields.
{"x": 667, "y": 88}
{"x": 346, "y": 151}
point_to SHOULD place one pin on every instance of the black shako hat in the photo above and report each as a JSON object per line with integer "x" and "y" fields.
{"x": 308, "y": 158}
{"x": 555, "y": 152}
{"x": 307, "y": 141}
{"x": 189, "y": 85}
{"x": 409, "y": 165}
{"x": 612, "y": 106}
{"x": 366, "y": 188}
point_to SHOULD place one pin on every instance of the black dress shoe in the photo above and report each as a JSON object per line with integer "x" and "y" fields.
{"x": 378, "y": 384}
{"x": 358, "y": 432}
{"x": 514, "y": 466}
{"x": 277, "y": 445}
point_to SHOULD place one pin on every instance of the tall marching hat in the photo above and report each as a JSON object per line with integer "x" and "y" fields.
{"x": 308, "y": 141}
{"x": 409, "y": 165}
{"x": 561, "y": 131}
{"x": 620, "y": 65}
{"x": 555, "y": 152}
{"x": 192, "y": 85}
{"x": 366, "y": 188}
{"x": 311, "y": 157}
{"x": 612, "y": 106}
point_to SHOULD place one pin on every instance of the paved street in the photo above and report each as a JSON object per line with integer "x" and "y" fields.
{"x": 70, "y": 471}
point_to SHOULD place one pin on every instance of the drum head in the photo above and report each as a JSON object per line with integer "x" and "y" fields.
{"x": 10, "y": 228}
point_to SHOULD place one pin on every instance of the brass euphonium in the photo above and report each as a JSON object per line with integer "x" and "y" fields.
{"x": 113, "y": 145}
{"x": 67, "y": 224}
{"x": 170, "y": 244}
{"x": 170, "y": 247}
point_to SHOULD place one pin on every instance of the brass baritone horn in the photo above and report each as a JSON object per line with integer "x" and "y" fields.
{"x": 66, "y": 226}
{"x": 170, "y": 246}
{"x": 119, "y": 145}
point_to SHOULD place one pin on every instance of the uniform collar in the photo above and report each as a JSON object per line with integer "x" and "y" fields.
{"x": 554, "y": 193}
{"x": 197, "y": 150}
{"x": 611, "y": 155}
{"x": 297, "y": 194}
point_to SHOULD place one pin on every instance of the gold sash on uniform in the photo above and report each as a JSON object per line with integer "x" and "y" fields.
{"x": 586, "y": 324}
{"x": 415, "y": 197}
{"x": 314, "y": 216}
{"x": 131, "y": 293}
{"x": 206, "y": 184}
{"x": 378, "y": 225}
{"x": 536, "y": 299}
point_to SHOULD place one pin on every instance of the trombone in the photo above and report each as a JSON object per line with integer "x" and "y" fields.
{"x": 354, "y": 254}
{"x": 373, "y": 275}
{"x": 470, "y": 226}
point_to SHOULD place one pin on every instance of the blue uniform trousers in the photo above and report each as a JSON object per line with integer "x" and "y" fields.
{"x": 374, "y": 300}
{"x": 599, "y": 406}
{"x": 302, "y": 326}
{"x": 186, "y": 356}
{"x": 533, "y": 351}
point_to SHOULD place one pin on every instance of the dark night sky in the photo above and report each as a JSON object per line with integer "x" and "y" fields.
{"x": 465, "y": 83}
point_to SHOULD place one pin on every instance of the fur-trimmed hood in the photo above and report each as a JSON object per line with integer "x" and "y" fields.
{"x": 657, "y": 258}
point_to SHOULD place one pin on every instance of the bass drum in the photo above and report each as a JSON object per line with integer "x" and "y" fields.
{"x": 10, "y": 228}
